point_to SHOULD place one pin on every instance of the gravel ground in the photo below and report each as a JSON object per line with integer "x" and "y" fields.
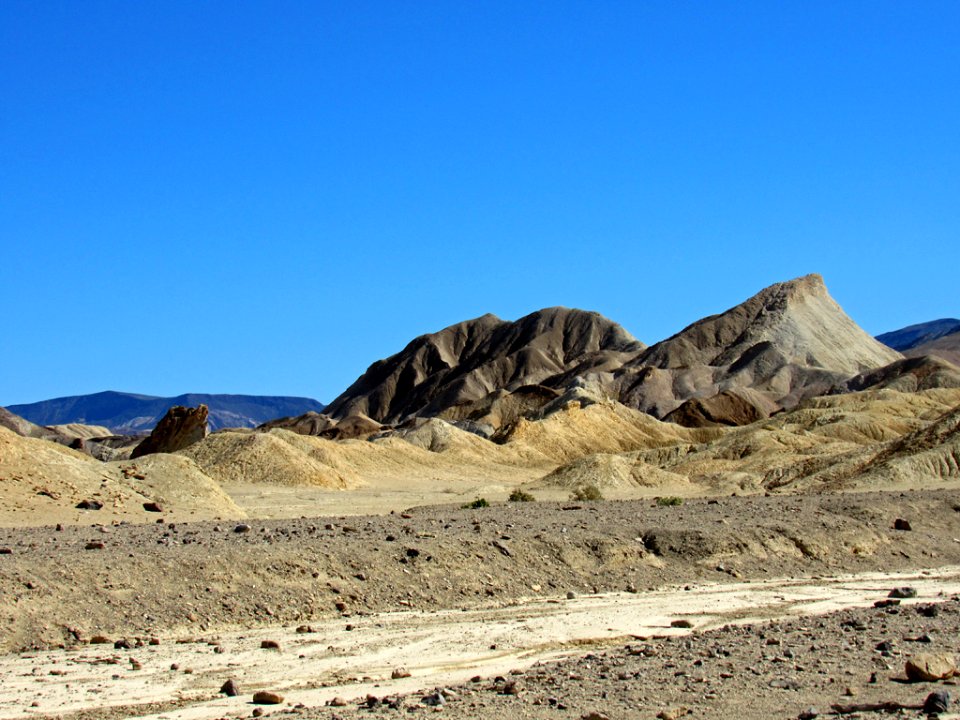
{"x": 173, "y": 580}
{"x": 777, "y": 670}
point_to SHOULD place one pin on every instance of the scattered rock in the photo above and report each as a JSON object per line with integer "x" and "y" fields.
{"x": 937, "y": 702}
{"x": 903, "y": 593}
{"x": 930, "y": 667}
{"x": 265, "y": 697}
{"x": 230, "y": 688}
{"x": 433, "y": 699}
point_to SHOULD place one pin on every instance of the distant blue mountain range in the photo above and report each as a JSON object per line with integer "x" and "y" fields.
{"x": 914, "y": 335}
{"x": 127, "y": 413}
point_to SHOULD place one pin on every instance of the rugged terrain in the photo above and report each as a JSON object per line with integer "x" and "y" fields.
{"x": 189, "y": 581}
{"x": 774, "y": 459}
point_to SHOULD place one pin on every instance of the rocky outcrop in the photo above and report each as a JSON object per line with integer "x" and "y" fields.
{"x": 180, "y": 428}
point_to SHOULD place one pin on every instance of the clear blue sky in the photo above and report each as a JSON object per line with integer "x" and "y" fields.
{"x": 266, "y": 197}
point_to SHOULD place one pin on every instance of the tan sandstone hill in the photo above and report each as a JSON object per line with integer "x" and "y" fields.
{"x": 790, "y": 341}
{"x": 42, "y": 482}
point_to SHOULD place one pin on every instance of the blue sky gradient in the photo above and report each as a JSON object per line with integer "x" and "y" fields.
{"x": 265, "y": 198}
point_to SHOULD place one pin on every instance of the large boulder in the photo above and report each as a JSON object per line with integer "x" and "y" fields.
{"x": 181, "y": 427}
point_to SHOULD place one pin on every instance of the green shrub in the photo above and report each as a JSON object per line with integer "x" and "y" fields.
{"x": 669, "y": 500}
{"x": 519, "y": 495}
{"x": 586, "y": 493}
{"x": 478, "y": 503}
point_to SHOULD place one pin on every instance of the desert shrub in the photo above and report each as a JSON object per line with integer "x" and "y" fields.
{"x": 586, "y": 493}
{"x": 478, "y": 503}
{"x": 669, "y": 500}
{"x": 519, "y": 495}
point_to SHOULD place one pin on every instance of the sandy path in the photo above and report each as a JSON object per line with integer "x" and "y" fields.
{"x": 438, "y": 648}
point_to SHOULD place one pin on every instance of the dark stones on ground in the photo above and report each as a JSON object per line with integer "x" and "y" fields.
{"x": 903, "y": 593}
{"x": 230, "y": 688}
{"x": 937, "y": 702}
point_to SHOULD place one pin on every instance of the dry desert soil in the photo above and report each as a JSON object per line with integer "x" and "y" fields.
{"x": 752, "y": 607}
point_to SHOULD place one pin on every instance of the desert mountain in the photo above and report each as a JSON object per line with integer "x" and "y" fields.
{"x": 465, "y": 363}
{"x": 126, "y": 413}
{"x": 788, "y": 342}
{"x": 913, "y": 335}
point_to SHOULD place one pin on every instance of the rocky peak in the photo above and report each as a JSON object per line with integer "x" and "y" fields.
{"x": 178, "y": 429}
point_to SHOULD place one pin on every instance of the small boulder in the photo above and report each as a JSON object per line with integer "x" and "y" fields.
{"x": 903, "y": 593}
{"x": 270, "y": 645}
{"x": 89, "y": 505}
{"x": 901, "y": 524}
{"x": 230, "y": 688}
{"x": 152, "y": 507}
{"x": 265, "y": 697}
{"x": 930, "y": 667}
{"x": 937, "y": 702}
{"x": 399, "y": 673}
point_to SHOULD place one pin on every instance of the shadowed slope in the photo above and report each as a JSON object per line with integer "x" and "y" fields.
{"x": 468, "y": 361}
